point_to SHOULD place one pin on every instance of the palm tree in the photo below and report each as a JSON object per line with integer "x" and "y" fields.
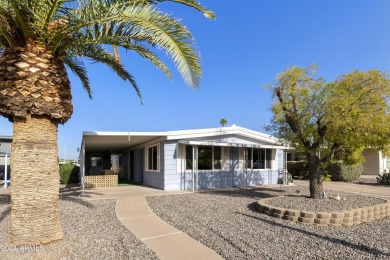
{"x": 223, "y": 122}
{"x": 38, "y": 40}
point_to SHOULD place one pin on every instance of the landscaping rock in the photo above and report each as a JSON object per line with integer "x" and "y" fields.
{"x": 227, "y": 221}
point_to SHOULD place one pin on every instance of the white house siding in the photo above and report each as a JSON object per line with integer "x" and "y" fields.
{"x": 155, "y": 178}
{"x": 172, "y": 178}
{"x": 371, "y": 165}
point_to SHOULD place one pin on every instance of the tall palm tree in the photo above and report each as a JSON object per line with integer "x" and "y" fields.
{"x": 38, "y": 40}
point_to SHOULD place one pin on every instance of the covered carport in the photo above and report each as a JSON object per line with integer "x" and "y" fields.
{"x": 105, "y": 156}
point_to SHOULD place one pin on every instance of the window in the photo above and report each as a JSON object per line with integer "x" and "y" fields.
{"x": 388, "y": 163}
{"x": 209, "y": 158}
{"x": 96, "y": 160}
{"x": 189, "y": 155}
{"x": 152, "y": 155}
{"x": 256, "y": 158}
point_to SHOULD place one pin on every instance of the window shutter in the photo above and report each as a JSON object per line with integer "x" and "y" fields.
{"x": 180, "y": 158}
{"x": 146, "y": 158}
{"x": 241, "y": 158}
{"x": 225, "y": 158}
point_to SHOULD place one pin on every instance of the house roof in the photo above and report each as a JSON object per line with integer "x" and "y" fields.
{"x": 94, "y": 141}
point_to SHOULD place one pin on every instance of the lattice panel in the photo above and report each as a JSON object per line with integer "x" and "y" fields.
{"x": 100, "y": 181}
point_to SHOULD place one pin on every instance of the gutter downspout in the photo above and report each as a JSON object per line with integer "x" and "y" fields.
{"x": 82, "y": 168}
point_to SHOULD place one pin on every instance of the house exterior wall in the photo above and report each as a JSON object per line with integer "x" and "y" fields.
{"x": 5, "y": 148}
{"x": 372, "y": 163}
{"x": 177, "y": 178}
{"x": 125, "y": 170}
{"x": 154, "y": 178}
{"x": 138, "y": 165}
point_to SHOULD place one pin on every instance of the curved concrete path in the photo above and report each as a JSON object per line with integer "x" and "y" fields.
{"x": 134, "y": 213}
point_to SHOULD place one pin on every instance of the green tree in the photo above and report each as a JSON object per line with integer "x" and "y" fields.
{"x": 223, "y": 122}
{"x": 331, "y": 120}
{"x": 38, "y": 38}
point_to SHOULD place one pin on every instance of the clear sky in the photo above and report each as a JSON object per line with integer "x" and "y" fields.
{"x": 243, "y": 50}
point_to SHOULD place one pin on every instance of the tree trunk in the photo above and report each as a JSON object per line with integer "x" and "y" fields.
{"x": 316, "y": 178}
{"x": 35, "y": 216}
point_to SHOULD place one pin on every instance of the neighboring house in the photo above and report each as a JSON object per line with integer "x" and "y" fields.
{"x": 375, "y": 163}
{"x": 5, "y": 151}
{"x": 178, "y": 160}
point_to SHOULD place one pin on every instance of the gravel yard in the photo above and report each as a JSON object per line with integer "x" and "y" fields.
{"x": 91, "y": 231}
{"x": 226, "y": 221}
{"x": 303, "y": 202}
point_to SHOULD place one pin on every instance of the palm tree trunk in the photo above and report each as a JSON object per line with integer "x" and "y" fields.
{"x": 35, "y": 216}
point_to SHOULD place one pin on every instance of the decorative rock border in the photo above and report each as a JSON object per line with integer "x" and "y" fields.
{"x": 346, "y": 218}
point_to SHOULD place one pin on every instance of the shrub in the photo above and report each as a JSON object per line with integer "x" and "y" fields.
{"x": 343, "y": 172}
{"x": 383, "y": 179}
{"x": 298, "y": 169}
{"x": 69, "y": 173}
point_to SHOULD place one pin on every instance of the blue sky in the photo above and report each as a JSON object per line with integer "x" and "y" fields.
{"x": 243, "y": 50}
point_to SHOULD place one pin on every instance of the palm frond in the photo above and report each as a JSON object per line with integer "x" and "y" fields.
{"x": 196, "y": 5}
{"x": 98, "y": 54}
{"x": 138, "y": 22}
{"x": 167, "y": 33}
{"x": 78, "y": 68}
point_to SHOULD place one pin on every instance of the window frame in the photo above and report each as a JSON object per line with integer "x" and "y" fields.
{"x": 96, "y": 156}
{"x": 250, "y": 160}
{"x": 147, "y": 158}
{"x": 213, "y": 161}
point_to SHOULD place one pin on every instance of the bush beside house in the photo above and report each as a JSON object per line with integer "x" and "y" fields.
{"x": 69, "y": 173}
{"x": 384, "y": 178}
{"x": 298, "y": 169}
{"x": 343, "y": 172}
{"x": 337, "y": 170}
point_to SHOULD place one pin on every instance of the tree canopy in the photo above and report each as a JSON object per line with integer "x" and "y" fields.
{"x": 331, "y": 120}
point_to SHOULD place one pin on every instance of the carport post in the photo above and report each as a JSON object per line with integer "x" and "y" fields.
{"x": 193, "y": 168}
{"x": 5, "y": 169}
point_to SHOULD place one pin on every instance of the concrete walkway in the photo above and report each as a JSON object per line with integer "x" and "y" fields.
{"x": 134, "y": 213}
{"x": 366, "y": 189}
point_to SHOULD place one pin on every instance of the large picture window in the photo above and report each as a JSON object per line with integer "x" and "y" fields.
{"x": 152, "y": 155}
{"x": 258, "y": 158}
{"x": 209, "y": 158}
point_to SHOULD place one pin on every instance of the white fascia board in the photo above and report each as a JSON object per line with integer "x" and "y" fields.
{"x": 189, "y": 142}
{"x": 233, "y": 130}
{"x": 125, "y": 133}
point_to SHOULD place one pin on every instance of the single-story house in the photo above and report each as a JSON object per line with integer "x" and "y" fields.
{"x": 190, "y": 159}
{"x": 5, "y": 152}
